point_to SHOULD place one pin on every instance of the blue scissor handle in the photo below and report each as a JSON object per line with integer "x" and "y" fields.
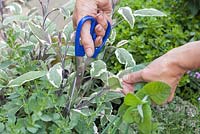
{"x": 79, "y": 50}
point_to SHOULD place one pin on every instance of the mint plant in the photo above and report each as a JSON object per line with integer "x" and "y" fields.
{"x": 37, "y": 73}
{"x": 136, "y": 108}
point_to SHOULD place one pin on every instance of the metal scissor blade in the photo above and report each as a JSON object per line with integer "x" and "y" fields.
{"x": 80, "y": 69}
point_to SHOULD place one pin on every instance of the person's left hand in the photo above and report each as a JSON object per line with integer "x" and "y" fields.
{"x": 164, "y": 68}
{"x": 99, "y": 9}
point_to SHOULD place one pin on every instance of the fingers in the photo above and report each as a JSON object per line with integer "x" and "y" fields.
{"x": 92, "y": 8}
{"x": 172, "y": 93}
{"x": 87, "y": 40}
{"x": 100, "y": 32}
{"x": 101, "y": 19}
{"x": 129, "y": 80}
{"x": 100, "y": 28}
{"x": 127, "y": 88}
{"x": 98, "y": 41}
{"x": 84, "y": 8}
{"x": 133, "y": 77}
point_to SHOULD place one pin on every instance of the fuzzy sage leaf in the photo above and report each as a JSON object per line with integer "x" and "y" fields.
{"x": 148, "y": 12}
{"x": 15, "y": 18}
{"x": 68, "y": 30}
{"x": 122, "y": 42}
{"x": 55, "y": 75}
{"x": 124, "y": 57}
{"x": 32, "y": 75}
{"x": 41, "y": 35}
{"x": 126, "y": 12}
{"x": 3, "y": 76}
{"x": 98, "y": 68}
{"x": 15, "y": 8}
{"x": 114, "y": 83}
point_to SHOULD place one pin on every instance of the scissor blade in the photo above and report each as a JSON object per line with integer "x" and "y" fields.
{"x": 80, "y": 69}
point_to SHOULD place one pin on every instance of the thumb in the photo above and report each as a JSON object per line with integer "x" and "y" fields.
{"x": 173, "y": 89}
{"x": 133, "y": 77}
{"x": 86, "y": 39}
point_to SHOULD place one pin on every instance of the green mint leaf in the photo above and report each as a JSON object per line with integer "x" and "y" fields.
{"x": 145, "y": 126}
{"x": 157, "y": 91}
{"x": 131, "y": 115}
{"x": 132, "y": 100}
{"x": 122, "y": 109}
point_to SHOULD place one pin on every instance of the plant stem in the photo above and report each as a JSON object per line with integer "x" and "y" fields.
{"x": 62, "y": 59}
{"x": 71, "y": 96}
{"x": 111, "y": 123}
{"x": 3, "y": 34}
{"x": 110, "y": 53}
{"x": 80, "y": 105}
{"x": 1, "y": 10}
{"x": 95, "y": 114}
{"x": 116, "y": 24}
{"x": 63, "y": 66}
{"x": 46, "y": 16}
{"x": 43, "y": 10}
{"x": 116, "y": 126}
{"x": 127, "y": 127}
{"x": 52, "y": 21}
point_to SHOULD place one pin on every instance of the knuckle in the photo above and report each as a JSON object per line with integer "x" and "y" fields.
{"x": 144, "y": 72}
{"x": 130, "y": 77}
{"x": 102, "y": 33}
{"x": 105, "y": 25}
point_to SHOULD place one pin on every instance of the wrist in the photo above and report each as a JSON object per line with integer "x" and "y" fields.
{"x": 187, "y": 56}
{"x": 174, "y": 61}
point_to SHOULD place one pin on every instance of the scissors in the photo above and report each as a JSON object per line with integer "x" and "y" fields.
{"x": 80, "y": 52}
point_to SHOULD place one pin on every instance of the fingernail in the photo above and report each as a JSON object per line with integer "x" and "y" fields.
{"x": 125, "y": 91}
{"x": 98, "y": 41}
{"x": 89, "y": 52}
{"x": 98, "y": 28}
{"x": 100, "y": 13}
{"x": 125, "y": 78}
{"x": 100, "y": 16}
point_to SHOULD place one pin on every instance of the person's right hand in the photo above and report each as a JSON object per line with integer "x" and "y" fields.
{"x": 99, "y": 9}
{"x": 163, "y": 69}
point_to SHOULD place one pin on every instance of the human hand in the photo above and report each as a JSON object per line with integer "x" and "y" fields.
{"x": 99, "y": 9}
{"x": 163, "y": 69}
